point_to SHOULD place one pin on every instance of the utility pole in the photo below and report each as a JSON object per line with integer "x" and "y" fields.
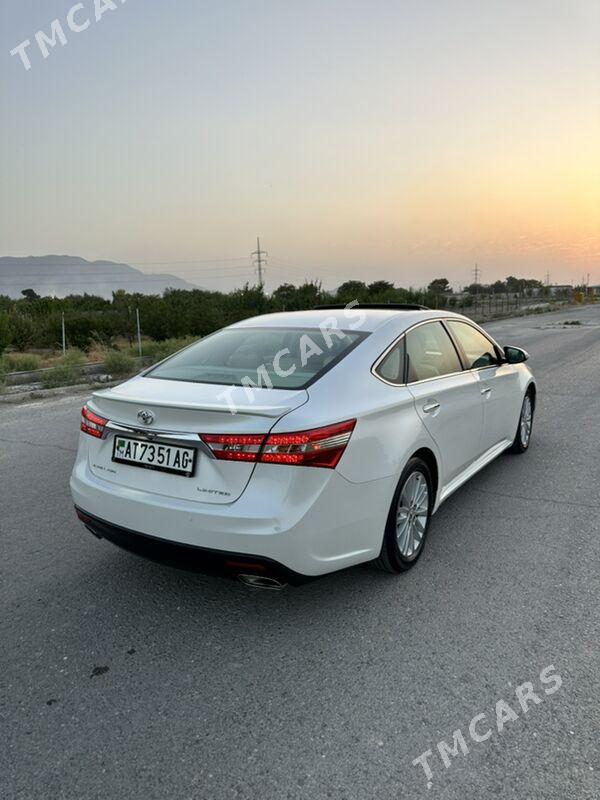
{"x": 64, "y": 335}
{"x": 259, "y": 262}
{"x": 476, "y": 278}
{"x": 139, "y": 331}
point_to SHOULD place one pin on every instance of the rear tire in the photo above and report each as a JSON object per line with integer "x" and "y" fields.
{"x": 408, "y": 519}
{"x": 525, "y": 426}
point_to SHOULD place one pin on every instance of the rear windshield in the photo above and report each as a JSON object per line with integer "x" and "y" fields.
{"x": 275, "y": 358}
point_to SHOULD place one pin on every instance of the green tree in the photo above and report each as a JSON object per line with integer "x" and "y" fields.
{"x": 380, "y": 287}
{"x": 352, "y": 290}
{"x": 284, "y": 297}
{"x": 514, "y": 285}
{"x": 477, "y": 288}
{"x": 439, "y": 286}
{"x": 30, "y": 295}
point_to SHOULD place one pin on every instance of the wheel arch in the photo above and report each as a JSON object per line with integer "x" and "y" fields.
{"x": 428, "y": 456}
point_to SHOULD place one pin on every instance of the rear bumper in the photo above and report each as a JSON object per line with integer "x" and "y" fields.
{"x": 308, "y": 521}
{"x": 189, "y": 557}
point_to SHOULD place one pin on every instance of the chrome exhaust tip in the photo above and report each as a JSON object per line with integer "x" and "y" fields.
{"x": 262, "y": 582}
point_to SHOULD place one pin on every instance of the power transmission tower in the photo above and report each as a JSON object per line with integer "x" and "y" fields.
{"x": 548, "y": 278}
{"x": 476, "y": 275}
{"x": 259, "y": 262}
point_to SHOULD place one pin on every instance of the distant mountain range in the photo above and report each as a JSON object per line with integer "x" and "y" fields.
{"x": 59, "y": 276}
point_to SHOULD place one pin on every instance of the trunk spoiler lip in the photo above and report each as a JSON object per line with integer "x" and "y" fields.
{"x": 247, "y": 408}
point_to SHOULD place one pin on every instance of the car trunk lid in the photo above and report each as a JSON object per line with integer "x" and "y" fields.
{"x": 177, "y": 412}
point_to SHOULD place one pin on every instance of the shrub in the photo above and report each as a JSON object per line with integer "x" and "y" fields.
{"x": 67, "y": 370}
{"x": 22, "y": 362}
{"x": 22, "y": 331}
{"x": 159, "y": 350}
{"x": 96, "y": 352}
{"x": 119, "y": 363}
{"x": 5, "y": 332}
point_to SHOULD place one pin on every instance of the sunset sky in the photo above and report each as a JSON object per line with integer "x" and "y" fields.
{"x": 371, "y": 139}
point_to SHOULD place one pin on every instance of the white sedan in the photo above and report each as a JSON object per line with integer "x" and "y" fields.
{"x": 294, "y": 444}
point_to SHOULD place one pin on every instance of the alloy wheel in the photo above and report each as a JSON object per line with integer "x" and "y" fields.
{"x": 526, "y": 421}
{"x": 411, "y": 514}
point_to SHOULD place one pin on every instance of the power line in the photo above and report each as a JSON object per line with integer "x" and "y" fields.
{"x": 77, "y": 271}
{"x": 74, "y": 262}
{"x": 191, "y": 261}
{"x": 112, "y": 279}
{"x": 285, "y": 270}
{"x": 317, "y": 272}
{"x": 310, "y": 267}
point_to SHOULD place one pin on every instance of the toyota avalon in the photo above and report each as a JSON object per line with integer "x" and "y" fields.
{"x": 292, "y": 445}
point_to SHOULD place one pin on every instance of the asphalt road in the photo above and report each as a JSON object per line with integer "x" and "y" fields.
{"x": 125, "y": 679}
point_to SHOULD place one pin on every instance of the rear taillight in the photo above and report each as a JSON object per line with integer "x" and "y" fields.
{"x": 319, "y": 447}
{"x": 91, "y": 423}
{"x": 233, "y": 447}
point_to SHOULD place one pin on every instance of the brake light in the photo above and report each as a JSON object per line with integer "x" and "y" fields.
{"x": 91, "y": 423}
{"x": 233, "y": 447}
{"x": 319, "y": 447}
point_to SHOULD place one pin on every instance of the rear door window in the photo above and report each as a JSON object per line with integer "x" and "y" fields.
{"x": 430, "y": 353}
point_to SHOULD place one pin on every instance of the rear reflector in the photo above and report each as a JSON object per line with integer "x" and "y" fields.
{"x": 319, "y": 447}
{"x": 91, "y": 423}
{"x": 248, "y": 565}
{"x": 83, "y": 516}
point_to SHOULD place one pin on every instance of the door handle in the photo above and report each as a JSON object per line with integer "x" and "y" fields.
{"x": 430, "y": 407}
{"x": 486, "y": 391}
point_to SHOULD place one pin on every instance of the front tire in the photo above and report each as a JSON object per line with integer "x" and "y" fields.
{"x": 525, "y": 426}
{"x": 408, "y": 519}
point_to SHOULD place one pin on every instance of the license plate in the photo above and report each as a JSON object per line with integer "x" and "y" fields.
{"x": 153, "y": 455}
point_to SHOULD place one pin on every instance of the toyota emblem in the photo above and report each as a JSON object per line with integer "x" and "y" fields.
{"x": 145, "y": 416}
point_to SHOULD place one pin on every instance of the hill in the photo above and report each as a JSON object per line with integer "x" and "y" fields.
{"x": 63, "y": 275}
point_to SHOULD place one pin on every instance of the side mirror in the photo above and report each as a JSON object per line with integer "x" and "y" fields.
{"x": 515, "y": 355}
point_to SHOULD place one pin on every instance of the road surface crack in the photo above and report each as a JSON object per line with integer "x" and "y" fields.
{"x": 40, "y": 444}
{"x": 538, "y": 499}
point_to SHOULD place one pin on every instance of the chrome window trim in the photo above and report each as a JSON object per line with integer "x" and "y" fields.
{"x": 443, "y": 320}
{"x": 436, "y": 378}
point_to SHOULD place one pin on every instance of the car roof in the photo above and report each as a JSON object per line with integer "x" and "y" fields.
{"x": 347, "y": 318}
